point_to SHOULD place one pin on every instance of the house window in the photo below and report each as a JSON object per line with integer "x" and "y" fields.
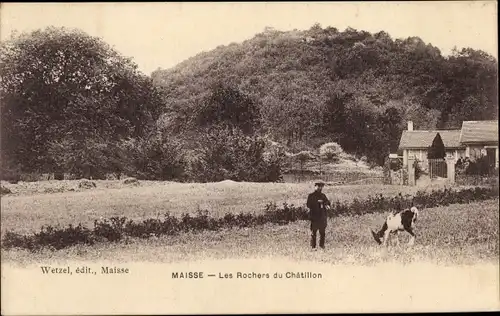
{"x": 475, "y": 152}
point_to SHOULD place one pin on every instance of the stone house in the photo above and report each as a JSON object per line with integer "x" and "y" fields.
{"x": 474, "y": 139}
{"x": 480, "y": 138}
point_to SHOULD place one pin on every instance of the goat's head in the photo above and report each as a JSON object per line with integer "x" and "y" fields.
{"x": 415, "y": 211}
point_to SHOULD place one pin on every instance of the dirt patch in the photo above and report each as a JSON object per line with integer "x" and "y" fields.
{"x": 86, "y": 184}
{"x": 227, "y": 182}
{"x": 130, "y": 181}
{"x": 59, "y": 186}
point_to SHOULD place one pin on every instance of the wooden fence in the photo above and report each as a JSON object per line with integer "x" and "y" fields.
{"x": 317, "y": 169}
{"x": 334, "y": 177}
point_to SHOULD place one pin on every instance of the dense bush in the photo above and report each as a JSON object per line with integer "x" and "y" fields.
{"x": 463, "y": 179}
{"x": 155, "y": 157}
{"x": 331, "y": 151}
{"x": 51, "y": 237}
{"x": 9, "y": 172}
{"x": 152, "y": 157}
{"x": 117, "y": 228}
{"x": 480, "y": 166}
{"x": 4, "y": 190}
{"x": 226, "y": 153}
{"x": 15, "y": 240}
{"x": 87, "y": 158}
{"x": 418, "y": 170}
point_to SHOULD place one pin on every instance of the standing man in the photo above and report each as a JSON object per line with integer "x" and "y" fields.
{"x": 318, "y": 204}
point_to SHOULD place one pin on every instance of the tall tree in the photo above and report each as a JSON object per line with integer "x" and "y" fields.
{"x": 61, "y": 84}
{"x": 437, "y": 149}
{"x": 227, "y": 106}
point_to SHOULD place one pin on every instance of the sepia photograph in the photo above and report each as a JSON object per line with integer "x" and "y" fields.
{"x": 253, "y": 157}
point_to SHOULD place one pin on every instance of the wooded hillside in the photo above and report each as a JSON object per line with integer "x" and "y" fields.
{"x": 353, "y": 87}
{"x": 70, "y": 103}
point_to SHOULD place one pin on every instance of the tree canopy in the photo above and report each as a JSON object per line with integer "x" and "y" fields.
{"x": 70, "y": 102}
{"x": 63, "y": 86}
{"x": 437, "y": 149}
{"x": 352, "y": 87}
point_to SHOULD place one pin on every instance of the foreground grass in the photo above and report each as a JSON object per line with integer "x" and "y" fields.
{"x": 28, "y": 213}
{"x": 456, "y": 234}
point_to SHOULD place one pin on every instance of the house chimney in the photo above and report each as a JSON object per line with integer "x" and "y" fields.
{"x": 410, "y": 125}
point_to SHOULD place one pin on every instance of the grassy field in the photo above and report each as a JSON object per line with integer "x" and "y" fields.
{"x": 454, "y": 263}
{"x": 27, "y": 209}
{"x": 456, "y": 234}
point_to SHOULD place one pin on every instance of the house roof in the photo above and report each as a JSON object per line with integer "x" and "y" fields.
{"x": 479, "y": 131}
{"x": 423, "y": 139}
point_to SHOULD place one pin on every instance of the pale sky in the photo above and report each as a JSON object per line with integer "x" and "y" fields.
{"x": 164, "y": 34}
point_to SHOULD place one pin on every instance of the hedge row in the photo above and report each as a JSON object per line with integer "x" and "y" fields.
{"x": 117, "y": 228}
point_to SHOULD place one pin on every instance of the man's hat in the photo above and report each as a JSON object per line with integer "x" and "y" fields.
{"x": 319, "y": 183}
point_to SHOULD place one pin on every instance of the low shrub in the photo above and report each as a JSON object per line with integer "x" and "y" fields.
{"x": 481, "y": 167}
{"x": 418, "y": 170}
{"x": 50, "y": 237}
{"x": 4, "y": 190}
{"x": 117, "y": 228}
{"x": 153, "y": 227}
{"x": 112, "y": 229}
{"x": 10, "y": 172}
{"x": 228, "y": 154}
{"x": 15, "y": 240}
{"x": 331, "y": 151}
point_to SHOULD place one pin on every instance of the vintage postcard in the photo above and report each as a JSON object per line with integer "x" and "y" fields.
{"x": 235, "y": 158}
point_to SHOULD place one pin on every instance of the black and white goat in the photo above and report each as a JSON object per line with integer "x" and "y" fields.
{"x": 396, "y": 222}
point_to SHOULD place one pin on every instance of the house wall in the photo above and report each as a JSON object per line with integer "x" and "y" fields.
{"x": 420, "y": 155}
{"x": 459, "y": 153}
{"x": 473, "y": 151}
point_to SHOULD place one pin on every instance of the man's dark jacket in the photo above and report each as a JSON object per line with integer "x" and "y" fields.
{"x": 316, "y": 202}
